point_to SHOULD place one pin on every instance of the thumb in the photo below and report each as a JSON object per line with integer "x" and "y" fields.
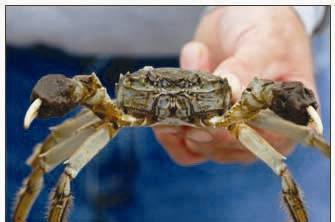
{"x": 195, "y": 56}
{"x": 237, "y": 74}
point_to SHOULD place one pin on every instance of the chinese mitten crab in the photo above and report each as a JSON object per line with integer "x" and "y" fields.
{"x": 169, "y": 96}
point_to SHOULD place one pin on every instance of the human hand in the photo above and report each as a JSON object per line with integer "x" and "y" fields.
{"x": 239, "y": 43}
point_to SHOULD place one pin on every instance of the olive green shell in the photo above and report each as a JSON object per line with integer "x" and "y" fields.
{"x": 163, "y": 94}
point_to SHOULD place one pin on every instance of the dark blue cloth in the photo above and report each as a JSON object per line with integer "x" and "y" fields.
{"x": 133, "y": 179}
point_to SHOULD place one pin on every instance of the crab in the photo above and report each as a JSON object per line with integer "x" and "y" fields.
{"x": 163, "y": 96}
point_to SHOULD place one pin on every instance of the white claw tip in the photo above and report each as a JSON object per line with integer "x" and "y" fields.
{"x": 315, "y": 117}
{"x": 32, "y": 112}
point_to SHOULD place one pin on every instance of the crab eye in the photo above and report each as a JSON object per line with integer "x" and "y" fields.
{"x": 151, "y": 77}
{"x": 165, "y": 83}
{"x": 195, "y": 80}
{"x": 151, "y": 80}
{"x": 182, "y": 83}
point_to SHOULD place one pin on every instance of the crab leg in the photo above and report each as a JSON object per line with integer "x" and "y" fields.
{"x": 61, "y": 198}
{"x": 293, "y": 107}
{"x": 57, "y": 140}
{"x": 263, "y": 150}
{"x": 298, "y": 133}
{"x": 54, "y": 96}
{"x": 27, "y": 195}
{"x": 290, "y": 100}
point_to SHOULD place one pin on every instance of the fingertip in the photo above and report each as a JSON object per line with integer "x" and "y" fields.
{"x": 166, "y": 129}
{"x": 178, "y": 152}
{"x": 195, "y": 56}
{"x": 199, "y": 136}
{"x": 235, "y": 73}
{"x": 233, "y": 81}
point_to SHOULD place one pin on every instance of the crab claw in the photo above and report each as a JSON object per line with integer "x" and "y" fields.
{"x": 291, "y": 101}
{"x": 32, "y": 112}
{"x": 57, "y": 95}
{"x": 315, "y": 118}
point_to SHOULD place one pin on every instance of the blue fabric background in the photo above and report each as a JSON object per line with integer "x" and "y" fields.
{"x": 133, "y": 179}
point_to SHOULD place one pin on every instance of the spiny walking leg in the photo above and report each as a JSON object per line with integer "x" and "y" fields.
{"x": 263, "y": 150}
{"x": 56, "y": 141}
{"x": 54, "y": 96}
{"x": 61, "y": 198}
{"x": 27, "y": 195}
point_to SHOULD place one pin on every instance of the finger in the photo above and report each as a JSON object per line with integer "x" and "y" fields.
{"x": 237, "y": 73}
{"x": 279, "y": 64}
{"x": 224, "y": 146}
{"x": 201, "y": 136}
{"x": 234, "y": 156}
{"x": 167, "y": 129}
{"x": 195, "y": 56}
{"x": 224, "y": 149}
{"x": 175, "y": 146}
{"x": 221, "y": 141}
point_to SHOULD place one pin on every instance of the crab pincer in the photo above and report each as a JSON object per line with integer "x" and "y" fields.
{"x": 54, "y": 95}
{"x": 293, "y": 102}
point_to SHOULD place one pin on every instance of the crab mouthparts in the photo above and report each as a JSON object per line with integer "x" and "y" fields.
{"x": 176, "y": 106}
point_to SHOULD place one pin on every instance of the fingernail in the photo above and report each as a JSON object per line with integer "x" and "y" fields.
{"x": 199, "y": 136}
{"x": 167, "y": 130}
{"x": 234, "y": 82}
{"x": 191, "y": 55}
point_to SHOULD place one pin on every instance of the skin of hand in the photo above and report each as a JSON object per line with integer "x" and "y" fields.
{"x": 239, "y": 43}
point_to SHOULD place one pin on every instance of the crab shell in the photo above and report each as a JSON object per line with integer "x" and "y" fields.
{"x": 172, "y": 96}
